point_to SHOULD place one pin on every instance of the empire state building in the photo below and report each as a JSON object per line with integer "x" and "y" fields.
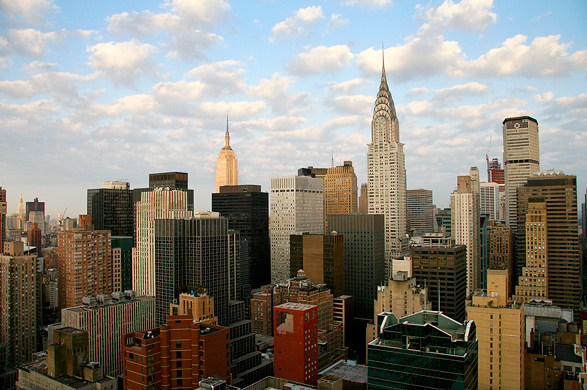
{"x": 226, "y": 164}
{"x": 386, "y": 172}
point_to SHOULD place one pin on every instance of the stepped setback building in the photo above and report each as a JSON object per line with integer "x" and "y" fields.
{"x": 387, "y": 173}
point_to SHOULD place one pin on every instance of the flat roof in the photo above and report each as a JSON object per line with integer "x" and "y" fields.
{"x": 356, "y": 373}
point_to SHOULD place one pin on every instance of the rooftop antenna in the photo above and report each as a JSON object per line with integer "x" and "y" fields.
{"x": 332, "y": 159}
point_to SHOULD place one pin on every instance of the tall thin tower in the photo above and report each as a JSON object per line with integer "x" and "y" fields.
{"x": 226, "y": 164}
{"x": 387, "y": 173}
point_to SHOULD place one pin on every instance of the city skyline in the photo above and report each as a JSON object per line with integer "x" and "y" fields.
{"x": 97, "y": 92}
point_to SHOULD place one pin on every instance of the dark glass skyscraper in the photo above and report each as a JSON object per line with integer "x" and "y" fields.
{"x": 112, "y": 208}
{"x": 247, "y": 210}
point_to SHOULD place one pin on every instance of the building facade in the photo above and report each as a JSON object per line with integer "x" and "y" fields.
{"x": 521, "y": 157}
{"x": 420, "y": 211}
{"x": 106, "y": 319}
{"x": 440, "y": 264}
{"x": 321, "y": 256}
{"x": 559, "y": 192}
{"x": 296, "y": 342}
{"x": 340, "y": 190}
{"x": 490, "y": 204}
{"x": 160, "y": 203}
{"x": 19, "y": 297}
{"x": 226, "y": 164}
{"x": 247, "y": 209}
{"x": 297, "y": 205}
{"x": 364, "y": 257}
{"x": 425, "y": 350}
{"x": 85, "y": 263}
{"x": 386, "y": 173}
{"x": 112, "y": 208}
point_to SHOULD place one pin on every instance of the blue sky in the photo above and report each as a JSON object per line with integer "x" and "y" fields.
{"x": 94, "y": 91}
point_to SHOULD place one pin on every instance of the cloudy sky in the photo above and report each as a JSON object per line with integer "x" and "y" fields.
{"x": 103, "y": 90}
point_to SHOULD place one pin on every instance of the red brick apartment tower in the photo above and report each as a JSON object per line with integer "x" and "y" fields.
{"x": 176, "y": 356}
{"x": 296, "y": 342}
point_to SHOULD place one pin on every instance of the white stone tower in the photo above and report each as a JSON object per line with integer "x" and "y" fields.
{"x": 387, "y": 174}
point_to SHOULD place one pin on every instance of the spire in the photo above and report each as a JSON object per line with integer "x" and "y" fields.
{"x": 384, "y": 114}
{"x": 227, "y": 137}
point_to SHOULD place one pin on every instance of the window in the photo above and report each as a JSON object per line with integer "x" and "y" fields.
{"x": 178, "y": 344}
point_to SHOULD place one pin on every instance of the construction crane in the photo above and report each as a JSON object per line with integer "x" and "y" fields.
{"x": 62, "y": 217}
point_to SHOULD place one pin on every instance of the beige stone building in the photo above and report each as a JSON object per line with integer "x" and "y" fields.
{"x": 19, "y": 295}
{"x": 340, "y": 191}
{"x": 363, "y": 200}
{"x": 226, "y": 164}
{"x": 501, "y": 333}
{"x": 161, "y": 203}
{"x": 534, "y": 280}
{"x": 200, "y": 305}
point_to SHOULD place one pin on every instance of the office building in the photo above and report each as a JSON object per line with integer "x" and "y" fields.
{"x": 364, "y": 199}
{"x": 440, "y": 264}
{"x": 387, "y": 173}
{"x": 420, "y": 211}
{"x": 226, "y": 164}
{"x": 500, "y": 331}
{"x": 340, "y": 190}
{"x": 198, "y": 304}
{"x": 443, "y": 221}
{"x": 424, "y": 350}
{"x": 191, "y": 254}
{"x": 166, "y": 180}
{"x": 121, "y": 262}
{"x": 465, "y": 228}
{"x": 35, "y": 238}
{"x": 490, "y": 204}
{"x": 19, "y": 298}
{"x": 321, "y": 256}
{"x": 176, "y": 355}
{"x": 85, "y": 263}
{"x": 310, "y": 171}
{"x": 112, "y": 208}
{"x": 500, "y": 248}
{"x": 343, "y": 312}
{"x": 160, "y": 203}
{"x": 533, "y": 284}
{"x": 559, "y": 192}
{"x": 64, "y": 366}
{"x": 297, "y": 205}
{"x": 521, "y": 157}
{"x": 35, "y": 212}
{"x": 247, "y": 209}
{"x": 364, "y": 257}
{"x": 106, "y": 319}
{"x": 296, "y": 342}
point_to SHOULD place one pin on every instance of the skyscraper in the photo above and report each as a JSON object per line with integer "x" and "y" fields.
{"x": 387, "y": 173}
{"x": 521, "y": 156}
{"x": 465, "y": 228}
{"x": 420, "y": 211}
{"x": 559, "y": 192}
{"x": 364, "y": 199}
{"x": 112, "y": 208}
{"x": 3, "y": 213}
{"x": 19, "y": 294}
{"x": 340, "y": 190}
{"x": 226, "y": 164}
{"x": 161, "y": 203}
{"x": 297, "y": 205}
{"x": 490, "y": 200}
{"x": 35, "y": 212}
{"x": 495, "y": 173}
{"x": 85, "y": 263}
{"x": 364, "y": 258}
{"x": 247, "y": 209}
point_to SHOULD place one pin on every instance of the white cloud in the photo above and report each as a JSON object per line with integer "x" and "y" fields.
{"x": 203, "y": 12}
{"x": 275, "y": 92}
{"x": 460, "y": 91}
{"x": 544, "y": 97}
{"x": 220, "y": 78}
{"x": 419, "y": 91}
{"x": 64, "y": 84}
{"x": 236, "y": 110}
{"x": 348, "y": 86}
{"x": 337, "y": 21}
{"x": 352, "y": 104}
{"x": 31, "y": 11}
{"x": 368, "y": 3}
{"x": 299, "y": 23}
{"x": 123, "y": 62}
{"x": 467, "y": 15}
{"x": 27, "y": 42}
{"x": 38, "y": 66}
{"x": 321, "y": 59}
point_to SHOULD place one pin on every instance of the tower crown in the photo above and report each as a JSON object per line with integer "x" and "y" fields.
{"x": 384, "y": 126}
{"x": 227, "y": 137}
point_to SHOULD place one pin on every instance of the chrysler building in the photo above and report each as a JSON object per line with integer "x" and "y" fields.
{"x": 226, "y": 164}
{"x": 387, "y": 174}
